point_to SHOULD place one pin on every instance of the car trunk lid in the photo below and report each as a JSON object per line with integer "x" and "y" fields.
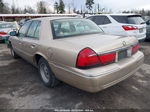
{"x": 100, "y": 43}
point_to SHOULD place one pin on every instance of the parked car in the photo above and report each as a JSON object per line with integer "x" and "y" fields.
{"x": 77, "y": 52}
{"x": 6, "y": 28}
{"x": 148, "y": 30}
{"x": 121, "y": 24}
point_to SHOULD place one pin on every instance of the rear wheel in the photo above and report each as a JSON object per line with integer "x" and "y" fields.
{"x": 13, "y": 53}
{"x": 46, "y": 74}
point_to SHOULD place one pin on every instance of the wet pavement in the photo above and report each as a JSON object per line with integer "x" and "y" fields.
{"x": 21, "y": 88}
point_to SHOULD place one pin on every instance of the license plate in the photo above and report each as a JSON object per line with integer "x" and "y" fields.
{"x": 122, "y": 54}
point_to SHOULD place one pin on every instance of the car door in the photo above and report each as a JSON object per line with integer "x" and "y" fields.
{"x": 31, "y": 40}
{"x": 17, "y": 42}
{"x": 148, "y": 28}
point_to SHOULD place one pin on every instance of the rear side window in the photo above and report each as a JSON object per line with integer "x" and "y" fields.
{"x": 106, "y": 20}
{"x": 120, "y": 19}
{"x": 135, "y": 19}
{"x": 23, "y": 29}
{"x": 90, "y": 18}
{"x": 101, "y": 20}
{"x": 33, "y": 30}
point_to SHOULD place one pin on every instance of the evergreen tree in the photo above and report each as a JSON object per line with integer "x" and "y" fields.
{"x": 61, "y": 7}
{"x": 89, "y": 4}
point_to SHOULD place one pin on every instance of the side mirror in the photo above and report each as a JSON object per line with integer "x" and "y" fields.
{"x": 148, "y": 22}
{"x": 13, "y": 33}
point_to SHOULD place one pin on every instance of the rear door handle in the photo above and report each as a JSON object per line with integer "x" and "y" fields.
{"x": 104, "y": 27}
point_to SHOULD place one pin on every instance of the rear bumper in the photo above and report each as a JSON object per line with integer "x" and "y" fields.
{"x": 3, "y": 37}
{"x": 96, "y": 79}
{"x": 141, "y": 37}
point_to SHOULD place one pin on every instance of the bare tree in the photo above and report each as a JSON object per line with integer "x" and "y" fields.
{"x": 15, "y": 10}
{"x": 141, "y": 12}
{"x": 98, "y": 7}
{"x": 41, "y": 7}
{"x": 4, "y": 9}
{"x": 81, "y": 11}
{"x": 28, "y": 9}
{"x": 56, "y": 7}
{"x": 69, "y": 8}
{"x": 73, "y": 6}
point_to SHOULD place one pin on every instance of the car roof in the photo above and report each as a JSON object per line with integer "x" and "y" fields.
{"x": 118, "y": 14}
{"x": 54, "y": 18}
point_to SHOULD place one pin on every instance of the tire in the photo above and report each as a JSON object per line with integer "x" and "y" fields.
{"x": 46, "y": 74}
{"x": 13, "y": 53}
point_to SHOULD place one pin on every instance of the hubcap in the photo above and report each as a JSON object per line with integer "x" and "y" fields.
{"x": 44, "y": 72}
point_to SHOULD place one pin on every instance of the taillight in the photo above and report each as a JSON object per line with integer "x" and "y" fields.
{"x": 88, "y": 58}
{"x": 3, "y": 33}
{"x": 129, "y": 27}
{"x": 107, "y": 58}
{"x": 135, "y": 48}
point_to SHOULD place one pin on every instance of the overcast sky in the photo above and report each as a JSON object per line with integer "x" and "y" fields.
{"x": 114, "y": 5}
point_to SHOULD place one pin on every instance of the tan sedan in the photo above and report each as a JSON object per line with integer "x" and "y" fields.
{"x": 77, "y": 52}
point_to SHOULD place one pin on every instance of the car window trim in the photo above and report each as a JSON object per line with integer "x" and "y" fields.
{"x": 39, "y": 22}
{"x": 91, "y": 18}
{"x": 26, "y": 31}
{"x": 105, "y": 20}
{"x": 26, "y": 36}
{"x": 56, "y": 37}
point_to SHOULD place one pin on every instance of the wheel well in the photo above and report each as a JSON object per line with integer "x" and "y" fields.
{"x": 9, "y": 44}
{"x": 37, "y": 58}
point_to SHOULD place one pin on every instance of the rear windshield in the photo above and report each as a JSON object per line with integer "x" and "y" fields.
{"x": 73, "y": 27}
{"x": 7, "y": 25}
{"x": 136, "y": 19}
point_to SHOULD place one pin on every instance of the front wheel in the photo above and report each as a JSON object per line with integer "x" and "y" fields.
{"x": 46, "y": 74}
